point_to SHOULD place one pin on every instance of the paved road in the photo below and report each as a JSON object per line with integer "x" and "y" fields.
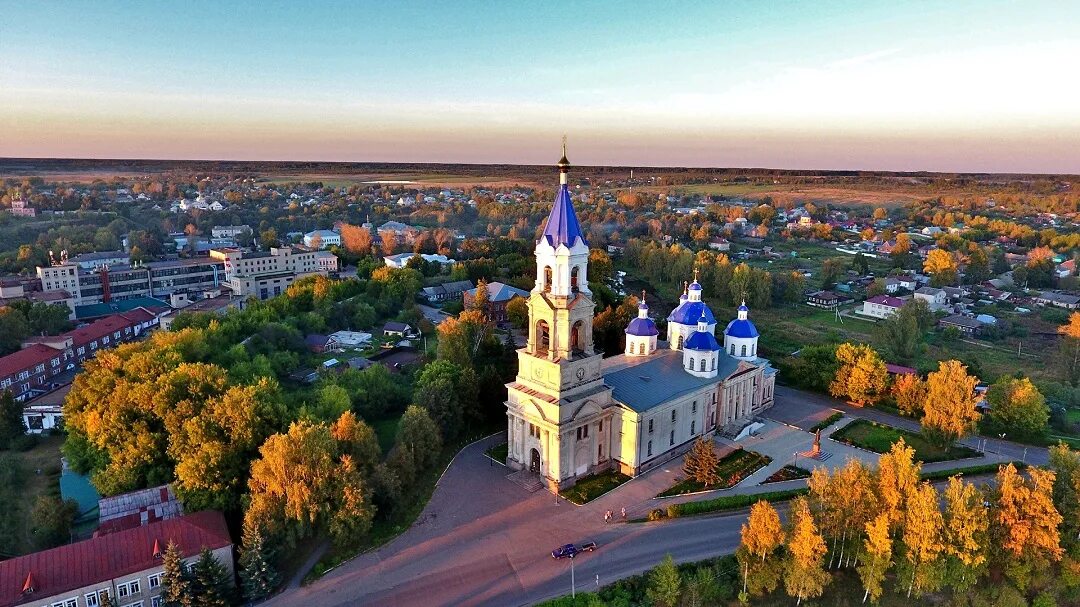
{"x": 484, "y": 540}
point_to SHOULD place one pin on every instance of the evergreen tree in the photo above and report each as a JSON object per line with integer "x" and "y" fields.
{"x": 175, "y": 585}
{"x": 701, "y": 461}
{"x": 804, "y": 571}
{"x": 665, "y": 584}
{"x": 12, "y": 425}
{"x": 209, "y": 582}
{"x": 258, "y": 577}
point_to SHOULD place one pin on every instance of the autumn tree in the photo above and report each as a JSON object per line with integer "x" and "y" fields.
{"x": 949, "y": 410}
{"x": 762, "y": 535}
{"x": 481, "y": 299}
{"x": 862, "y": 377}
{"x": 804, "y": 571}
{"x": 460, "y": 337}
{"x": 1070, "y": 348}
{"x": 700, "y": 462}
{"x": 966, "y": 538}
{"x": 1017, "y": 407}
{"x": 1065, "y": 463}
{"x": 910, "y": 392}
{"x": 356, "y": 240}
{"x": 1026, "y": 523}
{"x": 922, "y": 541}
{"x": 876, "y": 556}
{"x": 897, "y": 475}
{"x": 941, "y": 266}
{"x": 517, "y": 312}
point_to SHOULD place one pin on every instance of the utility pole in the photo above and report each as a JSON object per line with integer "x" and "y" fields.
{"x": 573, "y": 590}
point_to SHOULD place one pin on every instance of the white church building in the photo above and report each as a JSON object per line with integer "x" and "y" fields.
{"x": 571, "y": 412}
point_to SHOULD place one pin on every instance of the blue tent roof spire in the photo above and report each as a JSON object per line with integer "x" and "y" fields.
{"x": 562, "y": 224}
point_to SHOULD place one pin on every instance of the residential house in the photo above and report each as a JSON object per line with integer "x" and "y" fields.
{"x": 966, "y": 324}
{"x": 347, "y": 340}
{"x": 935, "y": 298}
{"x": 881, "y": 306}
{"x": 399, "y": 329}
{"x": 720, "y": 244}
{"x": 122, "y": 568}
{"x": 1058, "y": 299}
{"x": 230, "y": 231}
{"x": 402, "y": 259}
{"x": 322, "y": 239}
{"x": 892, "y": 284}
{"x": 825, "y": 299}
{"x": 447, "y": 291}
{"x": 499, "y": 296}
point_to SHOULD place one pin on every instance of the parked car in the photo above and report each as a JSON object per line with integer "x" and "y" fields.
{"x": 567, "y": 551}
{"x": 587, "y": 547}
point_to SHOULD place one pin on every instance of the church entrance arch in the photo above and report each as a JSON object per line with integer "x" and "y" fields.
{"x": 534, "y": 461}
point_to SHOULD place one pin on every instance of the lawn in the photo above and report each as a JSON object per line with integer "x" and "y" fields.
{"x": 787, "y": 473}
{"x": 26, "y": 476}
{"x": 879, "y": 438}
{"x": 499, "y": 452}
{"x": 386, "y": 432}
{"x": 593, "y": 486}
{"x": 732, "y": 468}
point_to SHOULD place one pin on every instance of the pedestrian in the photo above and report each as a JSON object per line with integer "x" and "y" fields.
{"x": 623, "y": 512}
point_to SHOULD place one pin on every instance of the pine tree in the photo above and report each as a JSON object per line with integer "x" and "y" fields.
{"x": 175, "y": 585}
{"x": 804, "y": 572}
{"x": 877, "y": 557}
{"x": 665, "y": 584}
{"x": 701, "y": 461}
{"x": 209, "y": 582}
{"x": 258, "y": 576}
{"x": 922, "y": 541}
{"x": 966, "y": 535}
{"x": 762, "y": 535}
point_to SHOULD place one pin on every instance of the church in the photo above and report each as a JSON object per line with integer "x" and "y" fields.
{"x": 571, "y": 413}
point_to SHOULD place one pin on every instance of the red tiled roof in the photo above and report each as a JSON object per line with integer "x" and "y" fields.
{"x": 885, "y": 300}
{"x": 899, "y": 369}
{"x": 27, "y": 358}
{"x": 110, "y": 556}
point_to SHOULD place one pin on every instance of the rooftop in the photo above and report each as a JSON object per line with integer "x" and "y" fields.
{"x": 643, "y": 383}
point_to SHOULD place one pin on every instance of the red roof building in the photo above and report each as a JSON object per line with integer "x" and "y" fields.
{"x": 123, "y": 565}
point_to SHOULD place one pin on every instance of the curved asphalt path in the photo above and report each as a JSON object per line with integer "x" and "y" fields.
{"x": 484, "y": 540}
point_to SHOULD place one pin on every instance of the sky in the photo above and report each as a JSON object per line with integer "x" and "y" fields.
{"x": 954, "y": 85}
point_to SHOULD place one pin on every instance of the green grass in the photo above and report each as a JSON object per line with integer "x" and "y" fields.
{"x": 828, "y": 421}
{"x": 732, "y": 468}
{"x": 499, "y": 452}
{"x": 386, "y": 432}
{"x": 788, "y": 473}
{"x": 969, "y": 471}
{"x": 879, "y": 438}
{"x": 593, "y": 486}
{"x": 29, "y": 475}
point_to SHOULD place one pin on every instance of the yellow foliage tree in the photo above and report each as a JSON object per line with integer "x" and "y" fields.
{"x": 909, "y": 392}
{"x": 949, "y": 410}
{"x": 1026, "y": 523}
{"x": 941, "y": 266}
{"x": 897, "y": 475}
{"x": 922, "y": 541}
{"x": 966, "y": 534}
{"x": 876, "y": 557}
{"x": 761, "y": 536}
{"x": 804, "y": 572}
{"x": 861, "y": 377}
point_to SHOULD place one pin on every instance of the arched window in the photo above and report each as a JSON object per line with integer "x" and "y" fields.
{"x": 702, "y": 366}
{"x": 680, "y": 342}
{"x": 714, "y": 364}
{"x": 691, "y": 367}
{"x": 731, "y": 351}
{"x": 743, "y": 350}
{"x": 577, "y": 337}
{"x": 543, "y": 336}
{"x": 641, "y": 348}
{"x": 692, "y": 424}
{"x": 753, "y": 349}
{"x": 547, "y": 279}
{"x": 574, "y": 279}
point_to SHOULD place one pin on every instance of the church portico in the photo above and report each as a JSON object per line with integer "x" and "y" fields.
{"x": 571, "y": 413}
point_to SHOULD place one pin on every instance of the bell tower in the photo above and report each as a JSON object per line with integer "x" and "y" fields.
{"x": 559, "y": 391}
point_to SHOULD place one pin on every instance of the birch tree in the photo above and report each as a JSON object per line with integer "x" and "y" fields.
{"x": 920, "y": 567}
{"x": 967, "y": 542}
{"x": 761, "y": 535}
{"x": 804, "y": 571}
{"x": 877, "y": 557}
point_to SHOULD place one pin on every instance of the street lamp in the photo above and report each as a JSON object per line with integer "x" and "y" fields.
{"x": 796, "y": 464}
{"x": 573, "y": 590}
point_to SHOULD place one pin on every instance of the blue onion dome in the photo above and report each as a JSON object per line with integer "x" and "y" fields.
{"x": 742, "y": 327}
{"x": 689, "y": 312}
{"x": 695, "y": 286}
{"x": 642, "y": 327}
{"x": 702, "y": 341}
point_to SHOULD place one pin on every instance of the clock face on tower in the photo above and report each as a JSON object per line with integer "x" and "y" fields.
{"x": 581, "y": 373}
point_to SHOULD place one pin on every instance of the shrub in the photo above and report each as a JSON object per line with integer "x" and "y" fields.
{"x": 658, "y": 514}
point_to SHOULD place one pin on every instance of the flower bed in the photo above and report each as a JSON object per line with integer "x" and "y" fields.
{"x": 788, "y": 473}
{"x": 734, "y": 467}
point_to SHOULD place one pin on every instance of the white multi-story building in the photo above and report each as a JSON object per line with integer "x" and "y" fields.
{"x": 267, "y": 274}
{"x": 571, "y": 413}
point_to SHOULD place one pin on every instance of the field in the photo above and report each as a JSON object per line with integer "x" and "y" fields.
{"x": 802, "y": 193}
{"x": 879, "y": 438}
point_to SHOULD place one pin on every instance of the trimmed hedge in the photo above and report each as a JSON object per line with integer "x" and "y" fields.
{"x": 731, "y": 502}
{"x": 825, "y": 423}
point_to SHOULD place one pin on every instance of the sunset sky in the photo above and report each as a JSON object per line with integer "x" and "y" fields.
{"x": 942, "y": 86}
